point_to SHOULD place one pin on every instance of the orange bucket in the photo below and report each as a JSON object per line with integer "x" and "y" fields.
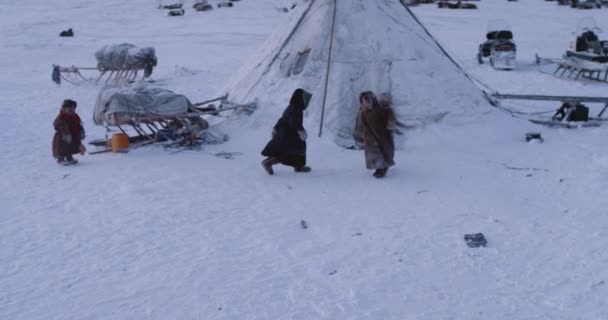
{"x": 120, "y": 141}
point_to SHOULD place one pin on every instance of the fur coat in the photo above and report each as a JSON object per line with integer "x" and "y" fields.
{"x": 66, "y": 140}
{"x": 375, "y": 127}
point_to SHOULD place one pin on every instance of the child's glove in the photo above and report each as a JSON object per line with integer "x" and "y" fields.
{"x": 82, "y": 149}
{"x": 303, "y": 135}
{"x": 67, "y": 138}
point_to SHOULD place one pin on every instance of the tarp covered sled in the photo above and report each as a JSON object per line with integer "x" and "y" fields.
{"x": 499, "y": 47}
{"x": 124, "y": 105}
{"x": 158, "y": 114}
{"x": 117, "y": 63}
{"x": 149, "y": 111}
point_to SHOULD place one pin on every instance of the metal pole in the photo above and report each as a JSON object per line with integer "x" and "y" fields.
{"x": 549, "y": 98}
{"x": 331, "y": 45}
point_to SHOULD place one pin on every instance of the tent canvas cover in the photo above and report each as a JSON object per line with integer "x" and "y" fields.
{"x": 378, "y": 45}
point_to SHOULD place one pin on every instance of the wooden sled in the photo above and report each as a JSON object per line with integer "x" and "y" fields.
{"x": 185, "y": 129}
{"x": 567, "y": 69}
{"x": 72, "y": 75}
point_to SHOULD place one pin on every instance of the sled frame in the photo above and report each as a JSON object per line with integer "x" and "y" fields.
{"x": 73, "y": 75}
{"x": 568, "y": 70}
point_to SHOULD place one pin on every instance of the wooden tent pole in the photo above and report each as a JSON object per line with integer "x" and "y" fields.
{"x": 331, "y": 45}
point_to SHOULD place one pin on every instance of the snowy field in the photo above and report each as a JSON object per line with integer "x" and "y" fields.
{"x": 160, "y": 234}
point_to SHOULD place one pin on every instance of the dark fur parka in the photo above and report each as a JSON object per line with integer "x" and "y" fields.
{"x": 286, "y": 144}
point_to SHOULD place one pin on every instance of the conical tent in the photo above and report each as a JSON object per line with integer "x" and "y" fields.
{"x": 377, "y": 45}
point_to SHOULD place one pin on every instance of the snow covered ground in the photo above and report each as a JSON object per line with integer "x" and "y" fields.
{"x": 159, "y": 234}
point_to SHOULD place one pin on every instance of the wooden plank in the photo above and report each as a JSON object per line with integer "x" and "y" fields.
{"x": 101, "y": 151}
{"x": 557, "y": 70}
{"x": 571, "y": 72}
{"x": 224, "y": 97}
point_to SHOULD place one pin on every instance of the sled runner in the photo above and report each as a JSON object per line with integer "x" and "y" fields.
{"x": 591, "y": 123}
{"x": 571, "y": 114}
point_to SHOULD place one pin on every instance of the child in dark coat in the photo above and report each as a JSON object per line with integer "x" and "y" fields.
{"x": 288, "y": 143}
{"x": 68, "y": 134}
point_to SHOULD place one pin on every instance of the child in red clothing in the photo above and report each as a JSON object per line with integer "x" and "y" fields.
{"x": 68, "y": 134}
